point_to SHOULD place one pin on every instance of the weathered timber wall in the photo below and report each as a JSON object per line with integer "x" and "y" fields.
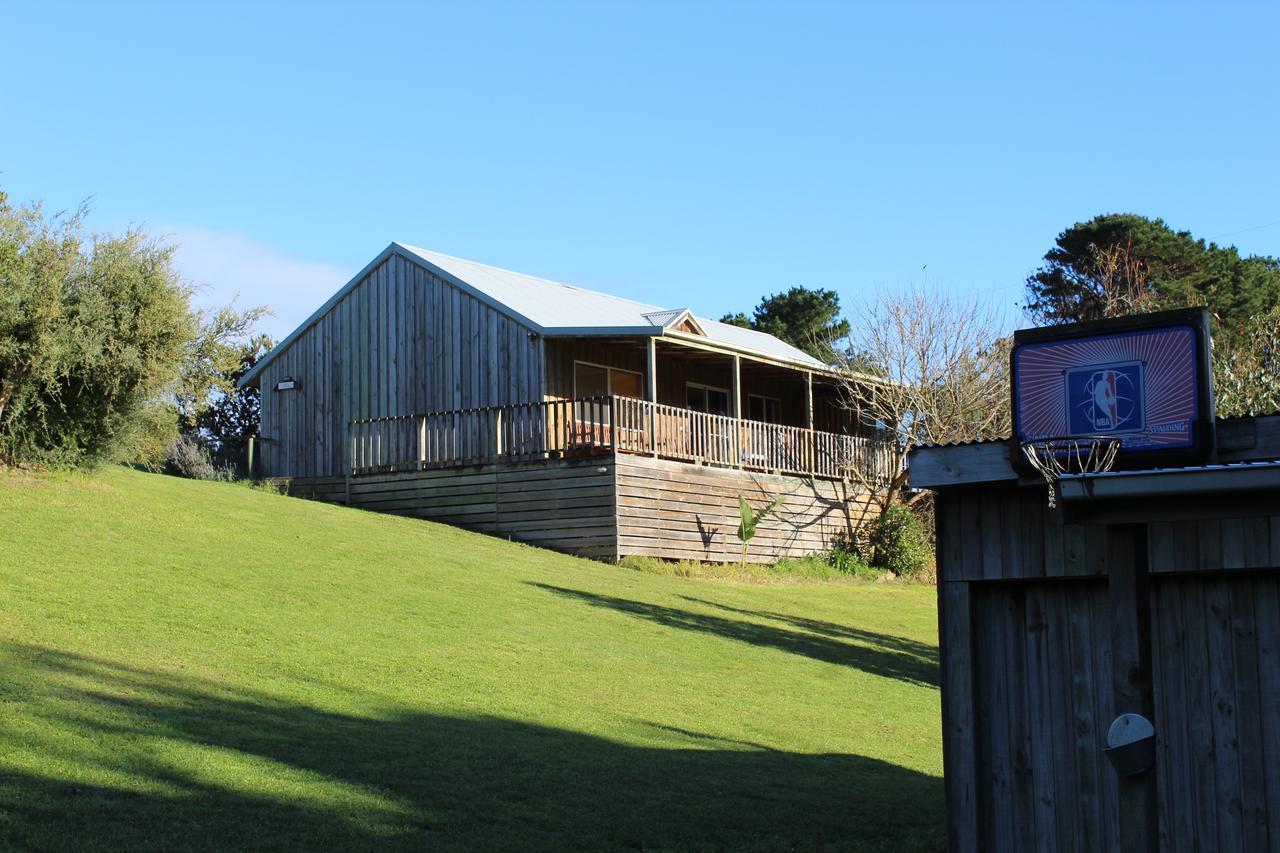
{"x": 609, "y": 506}
{"x": 681, "y": 511}
{"x": 1038, "y": 636}
{"x": 566, "y": 505}
{"x": 401, "y": 341}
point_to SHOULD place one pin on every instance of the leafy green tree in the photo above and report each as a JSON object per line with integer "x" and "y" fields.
{"x": 92, "y": 332}
{"x": 1124, "y": 263}
{"x": 1247, "y": 369}
{"x": 807, "y": 319}
{"x": 232, "y": 414}
{"x": 101, "y": 354}
{"x": 214, "y": 361}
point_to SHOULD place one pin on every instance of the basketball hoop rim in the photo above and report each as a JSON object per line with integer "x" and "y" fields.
{"x": 1053, "y": 439}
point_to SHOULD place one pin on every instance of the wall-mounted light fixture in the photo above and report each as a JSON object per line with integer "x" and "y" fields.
{"x": 288, "y": 383}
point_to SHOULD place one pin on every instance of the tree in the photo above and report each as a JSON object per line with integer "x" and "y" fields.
{"x": 931, "y": 368}
{"x": 214, "y": 361}
{"x": 101, "y": 354}
{"x": 1247, "y": 369}
{"x": 92, "y": 333}
{"x": 807, "y": 319}
{"x": 1124, "y": 263}
{"x": 233, "y": 414}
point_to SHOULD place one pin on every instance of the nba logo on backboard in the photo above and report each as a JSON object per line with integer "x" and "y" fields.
{"x": 1105, "y": 398}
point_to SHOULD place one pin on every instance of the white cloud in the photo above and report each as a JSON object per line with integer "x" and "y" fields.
{"x": 226, "y": 266}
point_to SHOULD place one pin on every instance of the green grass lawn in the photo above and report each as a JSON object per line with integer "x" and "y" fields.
{"x": 193, "y": 665}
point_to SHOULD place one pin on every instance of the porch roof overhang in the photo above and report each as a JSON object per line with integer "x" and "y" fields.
{"x": 690, "y": 341}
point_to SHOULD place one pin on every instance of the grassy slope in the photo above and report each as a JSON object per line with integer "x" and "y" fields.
{"x": 198, "y": 665}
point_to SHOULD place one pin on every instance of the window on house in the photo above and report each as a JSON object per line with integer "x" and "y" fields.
{"x": 596, "y": 380}
{"x": 590, "y": 380}
{"x": 766, "y": 409}
{"x": 625, "y": 383}
{"x": 703, "y": 398}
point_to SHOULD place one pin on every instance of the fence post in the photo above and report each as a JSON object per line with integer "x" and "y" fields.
{"x": 497, "y": 433}
{"x": 249, "y": 462}
{"x": 422, "y": 441}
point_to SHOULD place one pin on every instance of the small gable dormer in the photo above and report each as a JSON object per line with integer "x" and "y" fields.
{"x": 677, "y": 320}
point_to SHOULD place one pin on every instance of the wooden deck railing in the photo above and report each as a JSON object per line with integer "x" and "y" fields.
{"x": 592, "y": 425}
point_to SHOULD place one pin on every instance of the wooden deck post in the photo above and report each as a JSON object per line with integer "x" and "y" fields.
{"x": 808, "y": 400}
{"x": 735, "y": 446}
{"x": 808, "y": 420}
{"x": 653, "y": 394}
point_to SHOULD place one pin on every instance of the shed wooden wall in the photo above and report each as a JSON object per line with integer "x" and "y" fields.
{"x": 1028, "y": 622}
{"x": 402, "y": 340}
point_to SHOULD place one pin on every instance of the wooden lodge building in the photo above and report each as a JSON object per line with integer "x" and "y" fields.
{"x": 447, "y": 389}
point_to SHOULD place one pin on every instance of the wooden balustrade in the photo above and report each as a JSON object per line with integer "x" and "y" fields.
{"x": 586, "y": 426}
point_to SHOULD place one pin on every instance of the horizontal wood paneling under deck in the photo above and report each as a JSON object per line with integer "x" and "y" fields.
{"x": 680, "y": 511}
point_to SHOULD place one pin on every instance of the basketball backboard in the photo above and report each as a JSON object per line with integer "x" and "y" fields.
{"x": 1144, "y": 380}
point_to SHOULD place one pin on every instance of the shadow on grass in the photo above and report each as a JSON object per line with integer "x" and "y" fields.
{"x": 114, "y": 757}
{"x": 878, "y": 654}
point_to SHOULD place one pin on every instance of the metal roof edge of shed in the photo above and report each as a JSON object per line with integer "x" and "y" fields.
{"x": 1171, "y": 482}
{"x": 394, "y": 248}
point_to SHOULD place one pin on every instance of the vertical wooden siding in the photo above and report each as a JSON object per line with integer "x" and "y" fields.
{"x": 1026, "y": 624}
{"x": 401, "y": 341}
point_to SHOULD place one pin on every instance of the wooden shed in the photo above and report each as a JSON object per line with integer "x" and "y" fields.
{"x": 453, "y": 390}
{"x": 1153, "y": 592}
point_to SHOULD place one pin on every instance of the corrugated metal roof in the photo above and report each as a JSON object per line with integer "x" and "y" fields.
{"x": 564, "y": 309}
{"x": 559, "y": 310}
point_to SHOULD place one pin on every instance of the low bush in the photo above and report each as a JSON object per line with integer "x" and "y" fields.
{"x": 789, "y": 570}
{"x": 850, "y": 562}
{"x": 188, "y": 458}
{"x": 896, "y": 542}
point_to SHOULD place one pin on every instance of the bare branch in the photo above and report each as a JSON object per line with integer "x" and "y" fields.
{"x": 939, "y": 368}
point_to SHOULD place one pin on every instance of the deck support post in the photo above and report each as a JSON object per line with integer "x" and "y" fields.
{"x": 497, "y": 433}
{"x": 808, "y": 420}
{"x": 808, "y": 400}
{"x": 653, "y": 394}
{"x": 737, "y": 411}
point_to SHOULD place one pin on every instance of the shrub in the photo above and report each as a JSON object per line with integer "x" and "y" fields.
{"x": 897, "y": 543}
{"x": 187, "y": 457}
{"x": 850, "y": 562}
{"x": 92, "y": 332}
{"x": 102, "y": 356}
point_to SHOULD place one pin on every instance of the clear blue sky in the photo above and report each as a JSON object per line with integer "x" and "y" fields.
{"x": 699, "y": 155}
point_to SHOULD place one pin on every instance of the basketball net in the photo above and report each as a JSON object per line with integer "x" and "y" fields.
{"x": 1082, "y": 454}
